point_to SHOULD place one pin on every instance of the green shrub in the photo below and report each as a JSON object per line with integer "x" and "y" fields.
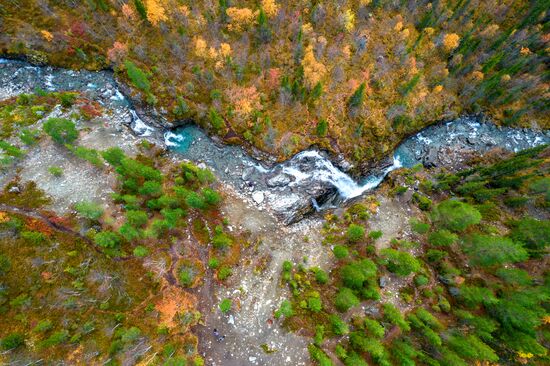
{"x": 187, "y": 275}
{"x": 195, "y": 200}
{"x": 339, "y": 327}
{"x": 55, "y": 171}
{"x": 429, "y": 319}
{"x": 113, "y": 156}
{"x": 225, "y": 305}
{"x": 90, "y": 155}
{"x": 211, "y": 197}
{"x": 224, "y": 273}
{"x": 151, "y": 188}
{"x": 5, "y": 264}
{"x": 442, "y": 238}
{"x": 314, "y": 304}
{"x": 322, "y": 128}
{"x": 320, "y": 276}
{"x": 423, "y": 202}
{"x": 216, "y": 120}
{"x": 394, "y": 316}
{"x": 67, "y": 99}
{"x": 221, "y": 241}
{"x": 535, "y": 234}
{"x": 455, "y": 215}
{"x": 472, "y": 296}
{"x": 140, "y": 251}
{"x": 419, "y": 226}
{"x": 33, "y": 237}
{"x": 434, "y": 256}
{"x": 136, "y": 218}
{"x": 355, "y": 274}
{"x": 129, "y": 232}
{"x": 12, "y": 341}
{"x": 89, "y": 210}
{"x": 43, "y": 326}
{"x": 516, "y": 201}
{"x": 421, "y": 280}
{"x": 356, "y": 99}
{"x": 374, "y": 328}
{"x": 138, "y": 78}
{"x": 355, "y": 233}
{"x": 375, "y": 235}
{"x": 485, "y": 250}
{"x": 285, "y": 309}
{"x": 55, "y": 339}
{"x": 213, "y": 263}
{"x": 141, "y": 9}
{"x": 61, "y": 130}
{"x": 345, "y": 299}
{"x": 340, "y": 251}
{"x": 107, "y": 240}
{"x": 318, "y": 355}
{"x": 472, "y": 348}
{"x": 29, "y": 137}
{"x": 371, "y": 345}
{"x": 400, "y": 263}
{"x": 514, "y": 276}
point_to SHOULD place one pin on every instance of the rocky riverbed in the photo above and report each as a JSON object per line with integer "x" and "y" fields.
{"x": 309, "y": 181}
{"x": 260, "y": 196}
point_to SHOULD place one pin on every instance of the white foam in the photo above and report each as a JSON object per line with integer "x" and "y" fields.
{"x": 172, "y": 139}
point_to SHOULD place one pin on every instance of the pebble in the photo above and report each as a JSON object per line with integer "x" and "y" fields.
{"x": 258, "y": 197}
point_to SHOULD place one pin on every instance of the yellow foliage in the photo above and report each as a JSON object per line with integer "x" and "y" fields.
{"x": 4, "y": 217}
{"x": 212, "y": 53}
{"x": 270, "y": 7}
{"x": 241, "y": 18}
{"x": 546, "y": 319}
{"x": 225, "y": 50}
{"x": 245, "y": 100}
{"x": 438, "y": 89}
{"x": 47, "y": 35}
{"x": 450, "y": 41}
{"x": 314, "y": 71}
{"x": 348, "y": 20}
{"x": 525, "y": 51}
{"x": 398, "y": 27}
{"x": 478, "y": 75}
{"x": 155, "y": 12}
{"x": 525, "y": 354}
{"x": 506, "y": 77}
{"x": 429, "y": 31}
{"x": 307, "y": 29}
{"x": 184, "y": 10}
{"x": 201, "y": 48}
{"x": 127, "y": 11}
{"x": 346, "y": 51}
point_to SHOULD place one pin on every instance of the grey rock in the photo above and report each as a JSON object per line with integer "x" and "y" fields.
{"x": 14, "y": 189}
{"x": 279, "y": 180}
{"x": 258, "y": 197}
{"x": 247, "y": 173}
{"x": 454, "y": 291}
{"x": 383, "y": 281}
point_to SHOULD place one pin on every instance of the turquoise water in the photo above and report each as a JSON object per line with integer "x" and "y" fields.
{"x": 183, "y": 137}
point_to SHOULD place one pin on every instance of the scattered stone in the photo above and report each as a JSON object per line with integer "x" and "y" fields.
{"x": 279, "y": 180}
{"x": 258, "y": 197}
{"x": 247, "y": 173}
{"x": 14, "y": 189}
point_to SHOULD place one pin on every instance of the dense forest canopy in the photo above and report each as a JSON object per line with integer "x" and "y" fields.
{"x": 351, "y": 76}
